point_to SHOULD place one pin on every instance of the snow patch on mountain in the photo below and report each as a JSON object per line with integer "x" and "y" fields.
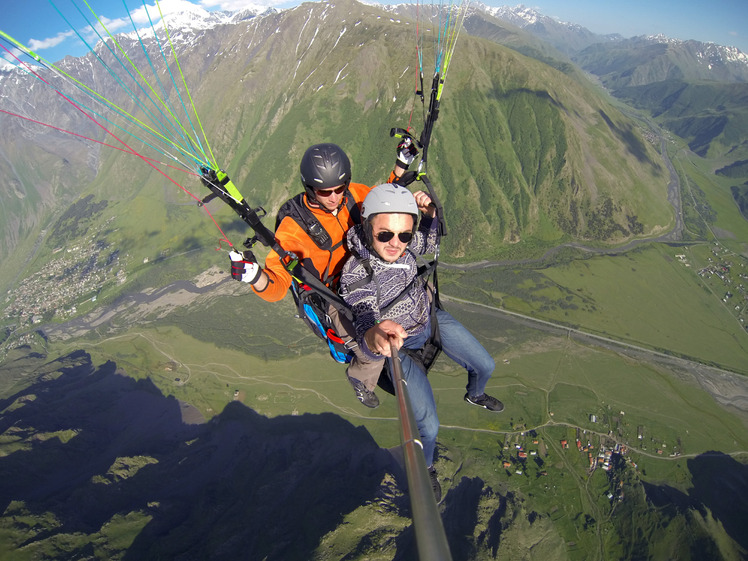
{"x": 520, "y": 15}
{"x": 708, "y": 53}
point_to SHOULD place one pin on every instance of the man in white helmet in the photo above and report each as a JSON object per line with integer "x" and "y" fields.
{"x": 391, "y": 305}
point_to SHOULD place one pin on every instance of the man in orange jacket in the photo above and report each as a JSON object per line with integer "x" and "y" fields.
{"x": 333, "y": 203}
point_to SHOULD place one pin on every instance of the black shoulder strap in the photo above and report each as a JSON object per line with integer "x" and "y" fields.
{"x": 298, "y": 211}
{"x": 424, "y": 271}
{"x": 352, "y": 207}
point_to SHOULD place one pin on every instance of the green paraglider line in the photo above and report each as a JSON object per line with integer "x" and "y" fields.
{"x": 91, "y": 93}
{"x": 171, "y": 75}
{"x": 134, "y": 152}
{"x": 137, "y": 70}
{"x": 94, "y": 95}
{"x": 184, "y": 81}
{"x": 450, "y": 20}
{"x": 126, "y": 151}
{"x": 111, "y": 72}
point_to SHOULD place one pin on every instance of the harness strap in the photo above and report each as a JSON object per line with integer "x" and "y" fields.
{"x": 305, "y": 278}
{"x": 432, "y": 348}
{"x": 299, "y": 213}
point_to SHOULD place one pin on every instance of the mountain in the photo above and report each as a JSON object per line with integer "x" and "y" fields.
{"x": 695, "y": 90}
{"x": 523, "y": 153}
{"x": 644, "y": 60}
{"x": 712, "y": 117}
{"x": 568, "y": 38}
{"x": 633, "y": 61}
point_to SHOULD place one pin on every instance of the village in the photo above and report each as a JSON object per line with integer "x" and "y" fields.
{"x": 74, "y": 274}
{"x": 519, "y": 449}
{"x": 607, "y": 449}
{"x": 726, "y": 277}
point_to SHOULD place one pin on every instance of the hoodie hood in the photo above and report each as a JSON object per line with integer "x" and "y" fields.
{"x": 356, "y": 242}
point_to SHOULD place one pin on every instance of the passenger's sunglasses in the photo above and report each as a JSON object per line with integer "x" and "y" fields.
{"x": 328, "y": 192}
{"x": 385, "y": 236}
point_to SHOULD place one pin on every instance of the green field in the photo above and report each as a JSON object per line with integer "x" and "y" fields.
{"x": 646, "y": 297}
{"x": 546, "y": 381}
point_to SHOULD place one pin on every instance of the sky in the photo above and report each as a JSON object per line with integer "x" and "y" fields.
{"x": 724, "y": 22}
{"x": 41, "y": 24}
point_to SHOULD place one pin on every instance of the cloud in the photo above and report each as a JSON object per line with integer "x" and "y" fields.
{"x": 140, "y": 15}
{"x": 41, "y": 44}
{"x": 104, "y": 25}
{"x": 238, "y": 5}
{"x": 141, "y": 20}
{"x": 9, "y": 58}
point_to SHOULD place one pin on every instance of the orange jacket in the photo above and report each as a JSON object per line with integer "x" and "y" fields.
{"x": 292, "y": 238}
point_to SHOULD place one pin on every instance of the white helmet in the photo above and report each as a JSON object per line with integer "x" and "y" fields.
{"x": 391, "y": 199}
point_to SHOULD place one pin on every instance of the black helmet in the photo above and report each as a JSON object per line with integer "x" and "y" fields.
{"x": 324, "y": 166}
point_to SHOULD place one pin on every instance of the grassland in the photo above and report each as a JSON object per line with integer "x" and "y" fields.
{"x": 646, "y": 297}
{"x": 545, "y": 381}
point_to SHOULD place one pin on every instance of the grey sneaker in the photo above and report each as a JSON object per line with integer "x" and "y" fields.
{"x": 367, "y": 397}
{"x": 485, "y": 401}
{"x": 435, "y": 484}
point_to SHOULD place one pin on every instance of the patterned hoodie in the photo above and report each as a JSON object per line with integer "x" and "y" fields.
{"x": 367, "y": 296}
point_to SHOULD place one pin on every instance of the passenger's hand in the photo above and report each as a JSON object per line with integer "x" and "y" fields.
{"x": 425, "y": 205}
{"x": 382, "y": 335}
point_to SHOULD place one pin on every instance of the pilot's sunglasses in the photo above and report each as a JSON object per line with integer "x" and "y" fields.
{"x": 328, "y": 192}
{"x": 385, "y": 236}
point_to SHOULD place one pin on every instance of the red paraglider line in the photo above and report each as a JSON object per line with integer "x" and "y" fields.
{"x": 97, "y": 141}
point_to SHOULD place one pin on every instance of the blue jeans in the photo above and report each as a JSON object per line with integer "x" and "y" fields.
{"x": 459, "y": 345}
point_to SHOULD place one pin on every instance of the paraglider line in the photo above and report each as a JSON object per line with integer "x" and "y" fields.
{"x": 134, "y": 152}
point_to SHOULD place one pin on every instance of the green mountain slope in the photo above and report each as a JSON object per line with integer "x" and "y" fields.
{"x": 521, "y": 151}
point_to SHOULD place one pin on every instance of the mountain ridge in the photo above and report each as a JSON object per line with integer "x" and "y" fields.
{"x": 571, "y": 38}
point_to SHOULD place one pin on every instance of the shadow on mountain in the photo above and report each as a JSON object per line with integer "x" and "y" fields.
{"x": 462, "y": 505}
{"x": 700, "y": 131}
{"x": 632, "y": 142}
{"x": 542, "y": 95}
{"x": 720, "y": 483}
{"x": 98, "y": 444}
